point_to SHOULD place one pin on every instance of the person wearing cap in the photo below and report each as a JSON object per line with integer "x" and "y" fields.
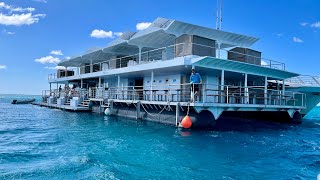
{"x": 195, "y": 81}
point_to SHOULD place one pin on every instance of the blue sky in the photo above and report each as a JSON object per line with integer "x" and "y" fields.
{"x": 34, "y": 33}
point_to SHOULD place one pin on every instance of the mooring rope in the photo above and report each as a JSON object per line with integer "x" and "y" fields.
{"x": 188, "y": 108}
{"x": 164, "y": 108}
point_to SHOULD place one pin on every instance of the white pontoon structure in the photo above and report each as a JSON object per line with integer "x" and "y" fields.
{"x": 145, "y": 75}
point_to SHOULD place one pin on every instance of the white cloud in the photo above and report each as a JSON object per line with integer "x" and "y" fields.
{"x": 42, "y": 1}
{"x": 263, "y": 63}
{"x": 104, "y": 34}
{"x": 3, "y": 67}
{"x": 56, "y": 52}
{"x": 15, "y": 9}
{"x": 304, "y": 23}
{"x": 8, "y": 32}
{"x": 101, "y": 34}
{"x": 142, "y": 25}
{"x": 48, "y": 59}
{"x": 297, "y": 40}
{"x": 68, "y": 57}
{"x": 315, "y": 25}
{"x": 55, "y": 67}
{"x": 118, "y": 33}
{"x": 20, "y": 19}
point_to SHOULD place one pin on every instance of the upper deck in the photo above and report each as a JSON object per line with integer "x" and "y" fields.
{"x": 165, "y": 40}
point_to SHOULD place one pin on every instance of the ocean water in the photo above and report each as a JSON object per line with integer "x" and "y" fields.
{"x": 42, "y": 143}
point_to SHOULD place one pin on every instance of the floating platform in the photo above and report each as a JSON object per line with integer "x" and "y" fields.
{"x": 63, "y": 107}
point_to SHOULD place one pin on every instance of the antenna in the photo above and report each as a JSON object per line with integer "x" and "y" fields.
{"x": 219, "y": 15}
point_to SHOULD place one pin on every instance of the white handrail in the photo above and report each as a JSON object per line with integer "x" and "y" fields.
{"x": 135, "y": 57}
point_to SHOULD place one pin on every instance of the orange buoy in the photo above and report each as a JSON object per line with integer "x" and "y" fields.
{"x": 186, "y": 122}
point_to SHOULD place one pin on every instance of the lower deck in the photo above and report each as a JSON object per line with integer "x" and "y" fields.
{"x": 62, "y": 107}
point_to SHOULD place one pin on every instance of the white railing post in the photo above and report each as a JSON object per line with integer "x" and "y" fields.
{"x": 227, "y": 94}
{"x": 204, "y": 94}
{"x": 246, "y": 90}
{"x": 265, "y": 90}
{"x": 222, "y": 86}
{"x": 140, "y": 49}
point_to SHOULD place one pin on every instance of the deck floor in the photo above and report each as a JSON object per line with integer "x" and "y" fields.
{"x": 65, "y": 107}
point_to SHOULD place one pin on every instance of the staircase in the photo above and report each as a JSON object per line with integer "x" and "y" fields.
{"x": 67, "y": 102}
{"x": 84, "y": 103}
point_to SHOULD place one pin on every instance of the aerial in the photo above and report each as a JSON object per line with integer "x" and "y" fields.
{"x": 152, "y": 90}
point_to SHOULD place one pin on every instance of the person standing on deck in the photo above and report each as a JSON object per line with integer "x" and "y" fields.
{"x": 195, "y": 81}
{"x": 60, "y": 89}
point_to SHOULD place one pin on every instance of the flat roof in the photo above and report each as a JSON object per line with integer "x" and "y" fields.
{"x": 161, "y": 33}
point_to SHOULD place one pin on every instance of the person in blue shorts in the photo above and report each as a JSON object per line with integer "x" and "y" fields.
{"x": 195, "y": 81}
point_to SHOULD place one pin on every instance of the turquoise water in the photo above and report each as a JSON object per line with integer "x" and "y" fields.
{"x": 42, "y": 143}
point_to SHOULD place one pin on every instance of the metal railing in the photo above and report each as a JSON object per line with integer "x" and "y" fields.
{"x": 66, "y": 93}
{"x": 207, "y": 93}
{"x": 169, "y": 53}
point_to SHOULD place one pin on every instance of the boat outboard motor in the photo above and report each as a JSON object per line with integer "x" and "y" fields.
{"x": 14, "y": 101}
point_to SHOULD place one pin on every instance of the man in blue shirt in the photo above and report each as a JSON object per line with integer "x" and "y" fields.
{"x": 195, "y": 81}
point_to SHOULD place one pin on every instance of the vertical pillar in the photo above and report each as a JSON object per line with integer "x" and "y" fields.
{"x": 283, "y": 91}
{"x": 222, "y": 87}
{"x": 50, "y": 87}
{"x": 138, "y": 110}
{"x": 151, "y": 85}
{"x": 118, "y": 91}
{"x": 218, "y": 49}
{"x": 140, "y": 49}
{"x": 91, "y": 67}
{"x": 99, "y": 85}
{"x": 81, "y": 84}
{"x": 246, "y": 90}
{"x": 177, "y": 113}
{"x": 66, "y": 71}
{"x": 265, "y": 90}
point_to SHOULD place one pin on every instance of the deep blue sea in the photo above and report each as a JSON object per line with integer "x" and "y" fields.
{"x": 42, "y": 143}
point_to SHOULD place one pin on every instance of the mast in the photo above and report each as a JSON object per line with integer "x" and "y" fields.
{"x": 219, "y": 15}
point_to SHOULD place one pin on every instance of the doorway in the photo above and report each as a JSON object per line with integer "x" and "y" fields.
{"x": 138, "y": 86}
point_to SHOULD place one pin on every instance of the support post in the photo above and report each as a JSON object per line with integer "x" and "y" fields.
{"x": 151, "y": 85}
{"x": 140, "y": 49}
{"x": 138, "y": 110}
{"x": 218, "y": 49}
{"x": 81, "y": 84}
{"x": 118, "y": 91}
{"x": 246, "y": 90}
{"x": 265, "y": 90}
{"x": 283, "y": 92}
{"x": 91, "y": 67}
{"x": 66, "y": 71}
{"x": 177, "y": 113}
{"x": 99, "y": 85}
{"x": 111, "y": 106}
{"x": 50, "y": 87}
{"x": 222, "y": 87}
